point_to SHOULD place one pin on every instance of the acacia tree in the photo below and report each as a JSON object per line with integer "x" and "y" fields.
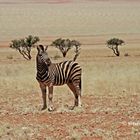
{"x": 113, "y": 44}
{"x": 64, "y": 45}
{"x": 24, "y": 46}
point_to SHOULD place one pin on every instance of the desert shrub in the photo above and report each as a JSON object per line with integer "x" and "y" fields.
{"x": 9, "y": 57}
{"x": 56, "y": 57}
{"x": 126, "y": 54}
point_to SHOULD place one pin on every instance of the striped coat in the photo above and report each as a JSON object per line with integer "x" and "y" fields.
{"x": 59, "y": 73}
{"x": 56, "y": 74}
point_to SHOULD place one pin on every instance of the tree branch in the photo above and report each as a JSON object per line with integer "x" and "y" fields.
{"x": 26, "y": 57}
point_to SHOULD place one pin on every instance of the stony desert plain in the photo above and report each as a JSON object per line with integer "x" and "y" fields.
{"x": 110, "y": 85}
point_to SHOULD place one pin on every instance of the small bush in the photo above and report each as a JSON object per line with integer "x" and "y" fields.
{"x": 9, "y": 57}
{"x": 126, "y": 54}
{"x": 56, "y": 57}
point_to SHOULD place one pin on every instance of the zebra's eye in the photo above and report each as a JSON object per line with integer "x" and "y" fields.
{"x": 48, "y": 61}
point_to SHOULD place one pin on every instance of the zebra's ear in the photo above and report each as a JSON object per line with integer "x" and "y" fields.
{"x": 46, "y": 48}
{"x": 40, "y": 49}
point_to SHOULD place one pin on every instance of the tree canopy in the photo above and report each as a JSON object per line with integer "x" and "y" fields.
{"x": 64, "y": 45}
{"x": 24, "y": 45}
{"x": 113, "y": 44}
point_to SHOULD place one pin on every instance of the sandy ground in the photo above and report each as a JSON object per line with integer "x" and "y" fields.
{"x": 100, "y": 118}
{"x": 110, "y": 97}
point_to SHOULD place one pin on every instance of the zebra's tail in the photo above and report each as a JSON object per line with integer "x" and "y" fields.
{"x": 80, "y": 85}
{"x": 76, "y": 55}
{"x": 77, "y": 51}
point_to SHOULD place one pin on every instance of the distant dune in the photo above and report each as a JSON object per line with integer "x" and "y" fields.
{"x": 52, "y": 18}
{"x": 33, "y": 1}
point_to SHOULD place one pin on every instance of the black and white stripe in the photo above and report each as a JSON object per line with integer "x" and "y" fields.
{"x": 59, "y": 73}
{"x": 56, "y": 74}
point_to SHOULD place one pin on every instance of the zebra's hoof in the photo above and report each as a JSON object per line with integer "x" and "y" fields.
{"x": 50, "y": 109}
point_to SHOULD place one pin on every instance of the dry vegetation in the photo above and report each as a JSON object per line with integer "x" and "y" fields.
{"x": 110, "y": 88}
{"x": 110, "y": 97}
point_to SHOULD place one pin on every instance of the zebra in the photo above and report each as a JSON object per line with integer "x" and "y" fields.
{"x": 56, "y": 74}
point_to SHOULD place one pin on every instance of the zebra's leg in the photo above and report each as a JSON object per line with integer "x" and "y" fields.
{"x": 50, "y": 96}
{"x": 73, "y": 89}
{"x": 78, "y": 94}
{"x": 43, "y": 89}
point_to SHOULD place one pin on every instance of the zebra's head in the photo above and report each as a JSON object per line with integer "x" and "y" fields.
{"x": 42, "y": 55}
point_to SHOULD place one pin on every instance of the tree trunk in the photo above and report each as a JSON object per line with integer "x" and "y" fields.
{"x": 23, "y": 54}
{"x": 116, "y": 51}
{"x": 64, "y": 54}
{"x": 29, "y": 55}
